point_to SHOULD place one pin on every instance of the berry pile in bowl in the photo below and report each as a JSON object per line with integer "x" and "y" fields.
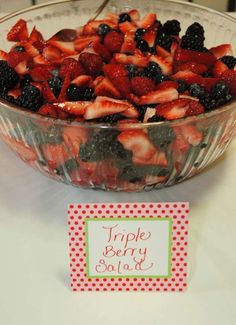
{"x": 126, "y": 102}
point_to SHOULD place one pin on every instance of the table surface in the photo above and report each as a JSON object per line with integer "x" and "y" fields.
{"x": 34, "y": 268}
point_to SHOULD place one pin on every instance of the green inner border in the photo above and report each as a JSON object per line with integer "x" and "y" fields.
{"x": 129, "y": 219}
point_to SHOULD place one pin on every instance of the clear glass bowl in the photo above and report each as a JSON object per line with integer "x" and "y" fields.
{"x": 32, "y": 137}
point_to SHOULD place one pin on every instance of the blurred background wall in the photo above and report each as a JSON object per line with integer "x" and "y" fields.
{"x": 10, "y": 5}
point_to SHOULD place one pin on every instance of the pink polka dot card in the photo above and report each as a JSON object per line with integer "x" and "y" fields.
{"x": 128, "y": 246}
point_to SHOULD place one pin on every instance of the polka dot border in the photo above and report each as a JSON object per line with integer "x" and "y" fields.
{"x": 178, "y": 211}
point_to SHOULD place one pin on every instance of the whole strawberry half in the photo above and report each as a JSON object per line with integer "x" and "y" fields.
{"x": 113, "y": 41}
{"x": 92, "y": 63}
{"x": 229, "y": 77}
{"x": 71, "y": 66}
{"x": 142, "y": 85}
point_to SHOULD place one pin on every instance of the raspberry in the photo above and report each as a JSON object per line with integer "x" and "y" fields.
{"x": 92, "y": 63}
{"x": 113, "y": 41}
{"x": 142, "y": 85}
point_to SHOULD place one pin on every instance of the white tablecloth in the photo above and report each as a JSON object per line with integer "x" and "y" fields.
{"x": 34, "y": 271}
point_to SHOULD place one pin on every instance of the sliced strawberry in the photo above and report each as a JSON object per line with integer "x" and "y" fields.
{"x": 14, "y": 93}
{"x": 47, "y": 93}
{"x": 140, "y": 61}
{"x": 229, "y": 77}
{"x": 40, "y": 59}
{"x": 74, "y": 136}
{"x": 39, "y": 45}
{"x": 138, "y": 142}
{"x": 158, "y": 96}
{"x": 31, "y": 50}
{"x": 142, "y": 85}
{"x": 131, "y": 112}
{"x": 65, "y": 47}
{"x": 35, "y": 36}
{"x": 66, "y": 83}
{"x": 82, "y": 81}
{"x": 191, "y": 134}
{"x": 111, "y": 16}
{"x": 159, "y": 159}
{"x": 208, "y": 83}
{"x": 92, "y": 63}
{"x": 162, "y": 52}
{"x": 52, "y": 53}
{"x": 134, "y": 15}
{"x": 24, "y": 152}
{"x": 48, "y": 110}
{"x": 219, "y": 68}
{"x": 84, "y": 41}
{"x": 55, "y": 154}
{"x": 37, "y": 84}
{"x": 40, "y": 74}
{"x": 179, "y": 108}
{"x": 101, "y": 50}
{"x": 127, "y": 27}
{"x": 113, "y": 41}
{"x": 73, "y": 108}
{"x": 148, "y": 114}
{"x": 194, "y": 67}
{"x": 150, "y": 36}
{"x": 222, "y": 50}
{"x": 15, "y": 58}
{"x": 147, "y": 21}
{"x": 18, "y": 32}
{"x": 193, "y": 56}
{"x": 106, "y": 88}
{"x": 166, "y": 67}
{"x": 22, "y": 68}
{"x": 167, "y": 84}
{"x": 105, "y": 106}
{"x": 113, "y": 71}
{"x": 3, "y": 55}
{"x": 188, "y": 77}
{"x": 129, "y": 44}
{"x": 71, "y": 66}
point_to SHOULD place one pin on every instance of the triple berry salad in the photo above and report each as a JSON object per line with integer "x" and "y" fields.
{"x": 118, "y": 72}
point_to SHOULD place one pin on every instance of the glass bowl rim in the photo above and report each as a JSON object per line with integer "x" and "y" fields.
{"x": 88, "y": 124}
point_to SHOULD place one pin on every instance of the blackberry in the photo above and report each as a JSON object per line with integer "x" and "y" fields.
{"x": 124, "y": 17}
{"x": 156, "y": 118}
{"x": 142, "y": 45}
{"x": 196, "y": 90}
{"x": 154, "y": 72}
{"x": 219, "y": 90}
{"x": 19, "y": 48}
{"x": 73, "y": 93}
{"x": 101, "y": 145}
{"x": 25, "y": 80}
{"x": 229, "y": 60}
{"x": 55, "y": 84}
{"x": 130, "y": 173}
{"x": 195, "y": 29}
{"x": 165, "y": 41}
{"x": 103, "y": 29}
{"x": 193, "y": 43}
{"x": 87, "y": 94}
{"x": 111, "y": 119}
{"x": 8, "y": 77}
{"x": 208, "y": 102}
{"x": 139, "y": 33}
{"x": 30, "y": 98}
{"x": 161, "y": 136}
{"x": 183, "y": 86}
{"x": 171, "y": 27}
